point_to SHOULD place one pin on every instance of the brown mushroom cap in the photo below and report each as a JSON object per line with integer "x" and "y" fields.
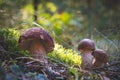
{"x": 38, "y": 34}
{"x": 100, "y": 55}
{"x": 86, "y": 45}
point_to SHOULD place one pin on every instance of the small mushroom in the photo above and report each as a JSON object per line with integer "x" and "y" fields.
{"x": 101, "y": 58}
{"x": 86, "y": 47}
{"x": 38, "y": 42}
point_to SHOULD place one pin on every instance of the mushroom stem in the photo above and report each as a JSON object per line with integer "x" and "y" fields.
{"x": 87, "y": 59}
{"x": 37, "y": 51}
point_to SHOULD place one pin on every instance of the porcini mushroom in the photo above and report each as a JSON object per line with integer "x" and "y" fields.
{"x": 86, "y": 47}
{"x": 38, "y": 42}
{"x": 101, "y": 58}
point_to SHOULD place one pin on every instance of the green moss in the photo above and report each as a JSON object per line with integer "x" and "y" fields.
{"x": 9, "y": 41}
{"x": 67, "y": 56}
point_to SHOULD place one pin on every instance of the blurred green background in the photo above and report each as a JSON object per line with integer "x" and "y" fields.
{"x": 68, "y": 21}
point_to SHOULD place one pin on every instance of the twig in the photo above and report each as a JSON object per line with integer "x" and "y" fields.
{"x": 37, "y": 60}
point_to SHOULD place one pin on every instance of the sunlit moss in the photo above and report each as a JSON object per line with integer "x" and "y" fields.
{"x": 67, "y": 56}
{"x": 9, "y": 41}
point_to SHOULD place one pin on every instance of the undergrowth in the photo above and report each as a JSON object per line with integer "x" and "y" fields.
{"x": 69, "y": 58}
